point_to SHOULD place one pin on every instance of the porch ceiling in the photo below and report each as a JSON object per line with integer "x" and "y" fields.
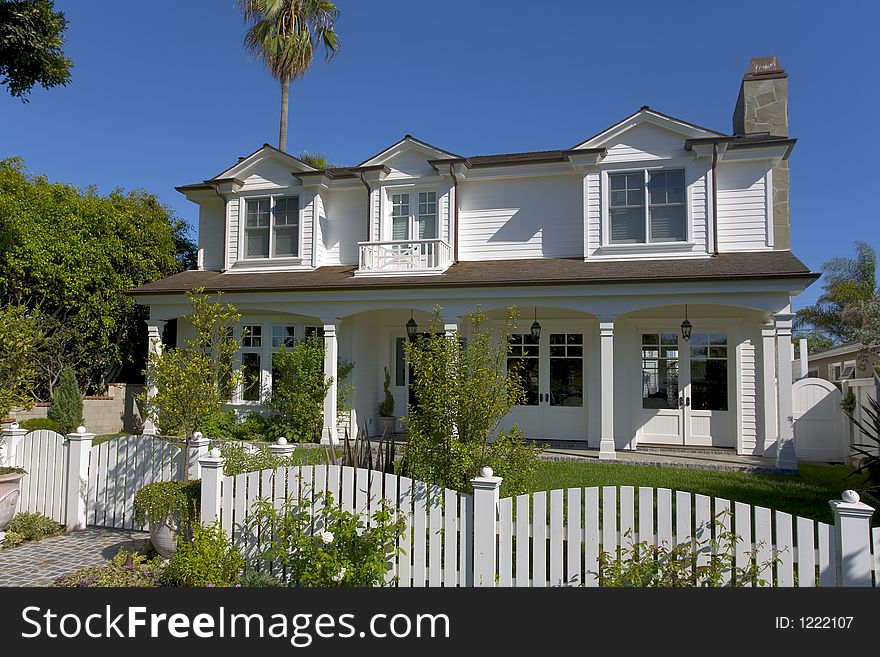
{"x": 761, "y": 265}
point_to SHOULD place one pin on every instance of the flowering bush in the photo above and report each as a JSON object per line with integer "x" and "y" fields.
{"x": 324, "y": 545}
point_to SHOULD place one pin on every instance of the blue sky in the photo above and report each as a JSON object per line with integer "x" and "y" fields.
{"x": 163, "y": 93}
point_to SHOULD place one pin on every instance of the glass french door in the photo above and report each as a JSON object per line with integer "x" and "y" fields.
{"x": 552, "y": 372}
{"x": 685, "y": 389}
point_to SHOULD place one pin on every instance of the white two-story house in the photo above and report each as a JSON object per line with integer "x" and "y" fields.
{"x": 650, "y": 264}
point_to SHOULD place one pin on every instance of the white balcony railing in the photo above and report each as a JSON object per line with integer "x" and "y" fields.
{"x": 404, "y": 256}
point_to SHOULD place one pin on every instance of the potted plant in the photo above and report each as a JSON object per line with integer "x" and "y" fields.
{"x": 10, "y": 490}
{"x": 387, "y": 421}
{"x": 171, "y": 508}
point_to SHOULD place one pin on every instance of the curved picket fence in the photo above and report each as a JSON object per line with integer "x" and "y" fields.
{"x": 437, "y": 542}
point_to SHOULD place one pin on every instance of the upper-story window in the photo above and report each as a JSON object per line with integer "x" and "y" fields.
{"x": 647, "y": 207}
{"x": 272, "y": 227}
{"x": 414, "y": 215}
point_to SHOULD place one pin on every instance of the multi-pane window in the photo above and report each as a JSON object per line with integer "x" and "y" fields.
{"x": 523, "y": 359}
{"x": 647, "y": 206}
{"x": 271, "y": 226}
{"x": 709, "y": 371}
{"x": 566, "y": 369}
{"x": 252, "y": 336}
{"x": 314, "y": 330}
{"x": 400, "y": 216}
{"x": 283, "y": 336}
{"x": 660, "y": 370}
{"x": 251, "y": 370}
{"x": 414, "y": 215}
{"x": 426, "y": 219}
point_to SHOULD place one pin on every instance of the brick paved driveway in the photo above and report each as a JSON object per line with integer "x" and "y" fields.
{"x": 41, "y": 563}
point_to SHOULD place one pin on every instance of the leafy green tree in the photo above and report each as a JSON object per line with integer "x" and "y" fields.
{"x": 300, "y": 388}
{"x": 191, "y": 383}
{"x": 67, "y": 403}
{"x": 284, "y": 34}
{"x": 462, "y": 392}
{"x": 73, "y": 255}
{"x": 20, "y": 338}
{"x": 31, "y": 40}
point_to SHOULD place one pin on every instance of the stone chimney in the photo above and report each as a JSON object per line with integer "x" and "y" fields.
{"x": 762, "y": 107}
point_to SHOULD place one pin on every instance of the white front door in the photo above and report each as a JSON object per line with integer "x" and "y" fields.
{"x": 552, "y": 372}
{"x": 686, "y": 389}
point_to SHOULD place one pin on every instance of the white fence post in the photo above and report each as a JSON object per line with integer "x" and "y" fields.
{"x": 852, "y": 536}
{"x": 212, "y": 478}
{"x": 196, "y": 449}
{"x": 76, "y": 478}
{"x": 9, "y": 440}
{"x": 281, "y": 449}
{"x": 486, "y": 488}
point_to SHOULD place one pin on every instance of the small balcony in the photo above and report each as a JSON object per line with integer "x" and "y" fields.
{"x": 408, "y": 257}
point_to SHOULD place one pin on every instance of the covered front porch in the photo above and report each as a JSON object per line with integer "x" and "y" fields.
{"x": 609, "y": 368}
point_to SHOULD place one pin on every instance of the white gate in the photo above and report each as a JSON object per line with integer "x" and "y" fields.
{"x": 42, "y": 454}
{"x": 819, "y": 429}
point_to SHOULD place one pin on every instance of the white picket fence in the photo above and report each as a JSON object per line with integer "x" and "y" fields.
{"x": 438, "y": 540}
{"x": 119, "y": 468}
{"x": 43, "y": 455}
{"x": 554, "y": 538}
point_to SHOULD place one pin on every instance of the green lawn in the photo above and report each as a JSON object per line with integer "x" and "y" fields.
{"x": 806, "y": 494}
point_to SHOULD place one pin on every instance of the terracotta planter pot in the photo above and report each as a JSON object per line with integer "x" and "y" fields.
{"x": 163, "y": 536}
{"x": 10, "y": 490}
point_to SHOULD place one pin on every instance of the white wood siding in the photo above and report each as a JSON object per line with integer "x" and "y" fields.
{"x": 748, "y": 398}
{"x": 318, "y": 229}
{"x": 521, "y": 218}
{"x": 593, "y": 184}
{"x": 742, "y": 206}
{"x": 699, "y": 209}
{"x": 307, "y": 202}
{"x": 212, "y": 228}
{"x": 645, "y": 142}
{"x": 343, "y": 226}
{"x": 232, "y": 241}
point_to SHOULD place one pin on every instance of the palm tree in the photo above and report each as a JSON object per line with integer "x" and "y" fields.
{"x": 285, "y": 34}
{"x": 317, "y": 160}
{"x": 850, "y": 286}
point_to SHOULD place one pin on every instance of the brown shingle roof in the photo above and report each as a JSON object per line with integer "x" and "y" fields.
{"x": 727, "y": 266}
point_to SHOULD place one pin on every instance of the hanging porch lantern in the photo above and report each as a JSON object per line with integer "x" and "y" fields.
{"x": 411, "y": 327}
{"x": 686, "y": 326}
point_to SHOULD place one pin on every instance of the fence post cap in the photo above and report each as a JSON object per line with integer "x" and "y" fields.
{"x": 850, "y": 496}
{"x": 14, "y": 426}
{"x": 282, "y": 440}
{"x": 81, "y": 430}
{"x": 850, "y": 506}
{"x": 197, "y": 435}
{"x": 214, "y": 453}
{"x": 486, "y": 471}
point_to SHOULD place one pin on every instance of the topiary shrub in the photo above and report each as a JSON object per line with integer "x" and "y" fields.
{"x": 67, "y": 403}
{"x": 40, "y": 424}
{"x": 208, "y": 559}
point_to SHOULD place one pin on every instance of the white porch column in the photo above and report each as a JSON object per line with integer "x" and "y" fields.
{"x": 154, "y": 346}
{"x": 606, "y": 389}
{"x": 785, "y": 449}
{"x": 768, "y": 377}
{"x": 331, "y": 353}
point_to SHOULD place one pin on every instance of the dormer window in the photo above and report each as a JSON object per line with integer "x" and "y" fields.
{"x": 414, "y": 215}
{"x": 272, "y": 227}
{"x": 647, "y": 207}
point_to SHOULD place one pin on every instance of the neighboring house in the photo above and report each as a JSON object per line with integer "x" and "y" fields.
{"x": 609, "y": 244}
{"x": 836, "y": 365}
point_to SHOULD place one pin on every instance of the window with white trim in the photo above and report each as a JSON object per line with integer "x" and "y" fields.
{"x": 271, "y": 227}
{"x": 414, "y": 215}
{"x": 647, "y": 207}
{"x": 842, "y": 371}
{"x": 251, "y": 362}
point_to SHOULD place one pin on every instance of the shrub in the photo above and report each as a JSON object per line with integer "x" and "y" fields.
{"x": 5, "y": 470}
{"x": 868, "y": 453}
{"x": 694, "y": 563}
{"x": 177, "y": 500}
{"x": 219, "y": 426}
{"x": 386, "y": 406}
{"x": 41, "y": 424}
{"x": 125, "y": 569}
{"x": 33, "y": 526}
{"x": 207, "y": 559}
{"x": 326, "y": 545}
{"x": 300, "y": 388}
{"x": 258, "y": 579}
{"x": 237, "y": 458}
{"x": 67, "y": 403}
{"x": 462, "y": 392}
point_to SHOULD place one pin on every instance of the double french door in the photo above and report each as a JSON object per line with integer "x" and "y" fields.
{"x": 551, "y": 368}
{"x": 686, "y": 389}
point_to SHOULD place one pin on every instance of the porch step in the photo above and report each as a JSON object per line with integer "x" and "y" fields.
{"x": 691, "y": 451}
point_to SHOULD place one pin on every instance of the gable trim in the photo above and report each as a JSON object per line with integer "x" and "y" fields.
{"x": 393, "y": 149}
{"x": 646, "y": 114}
{"x": 244, "y": 162}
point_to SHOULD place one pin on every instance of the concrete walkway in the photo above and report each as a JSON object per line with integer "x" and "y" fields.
{"x": 709, "y": 459}
{"x": 42, "y": 562}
